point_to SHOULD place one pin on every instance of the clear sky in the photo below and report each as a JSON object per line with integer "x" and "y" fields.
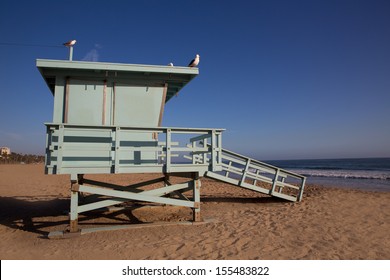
{"x": 287, "y": 79}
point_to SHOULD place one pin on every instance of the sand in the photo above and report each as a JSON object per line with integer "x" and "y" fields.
{"x": 330, "y": 223}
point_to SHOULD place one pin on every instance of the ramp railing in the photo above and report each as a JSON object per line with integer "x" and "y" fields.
{"x": 81, "y": 149}
{"x": 258, "y": 176}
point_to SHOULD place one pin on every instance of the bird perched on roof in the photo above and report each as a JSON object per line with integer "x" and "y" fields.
{"x": 195, "y": 61}
{"x": 170, "y": 64}
{"x": 70, "y": 43}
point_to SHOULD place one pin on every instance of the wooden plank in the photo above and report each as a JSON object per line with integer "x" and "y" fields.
{"x": 142, "y": 128}
{"x": 233, "y": 159}
{"x": 229, "y": 167}
{"x": 222, "y": 178}
{"x": 87, "y": 132}
{"x": 200, "y": 137}
{"x": 122, "y": 188}
{"x": 100, "y": 204}
{"x": 87, "y": 164}
{"x": 255, "y": 188}
{"x": 234, "y": 171}
{"x": 261, "y": 168}
{"x": 284, "y": 196}
{"x": 86, "y": 154}
{"x": 259, "y": 177}
{"x": 283, "y": 184}
{"x": 237, "y": 183}
{"x": 87, "y": 146}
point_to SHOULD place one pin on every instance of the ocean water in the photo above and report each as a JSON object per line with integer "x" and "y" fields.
{"x": 358, "y": 173}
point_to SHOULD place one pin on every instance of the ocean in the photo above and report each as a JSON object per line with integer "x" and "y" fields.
{"x": 358, "y": 173}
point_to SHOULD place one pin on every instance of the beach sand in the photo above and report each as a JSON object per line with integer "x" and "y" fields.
{"x": 329, "y": 223}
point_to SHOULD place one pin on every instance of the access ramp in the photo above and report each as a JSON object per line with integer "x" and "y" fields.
{"x": 248, "y": 173}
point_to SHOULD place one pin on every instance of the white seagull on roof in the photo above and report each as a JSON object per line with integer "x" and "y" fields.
{"x": 70, "y": 43}
{"x": 195, "y": 61}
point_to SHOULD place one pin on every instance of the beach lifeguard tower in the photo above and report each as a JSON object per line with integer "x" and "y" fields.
{"x": 107, "y": 120}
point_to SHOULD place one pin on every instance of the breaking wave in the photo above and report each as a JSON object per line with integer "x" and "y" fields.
{"x": 346, "y": 174}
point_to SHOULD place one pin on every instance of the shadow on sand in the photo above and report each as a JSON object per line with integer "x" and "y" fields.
{"x": 33, "y": 214}
{"x": 40, "y": 215}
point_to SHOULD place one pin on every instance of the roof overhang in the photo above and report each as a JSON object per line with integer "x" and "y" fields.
{"x": 175, "y": 77}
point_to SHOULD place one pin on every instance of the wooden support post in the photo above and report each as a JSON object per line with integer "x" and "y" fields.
{"x": 219, "y": 148}
{"x": 196, "y": 187}
{"x": 274, "y": 183}
{"x": 73, "y": 212}
{"x": 204, "y": 156}
{"x": 168, "y": 151}
{"x": 117, "y": 147}
{"x": 257, "y": 173}
{"x": 214, "y": 150}
{"x": 248, "y": 162}
{"x": 74, "y": 202}
{"x": 104, "y": 102}
{"x": 301, "y": 189}
{"x": 166, "y": 180}
{"x": 281, "y": 187}
{"x": 227, "y": 170}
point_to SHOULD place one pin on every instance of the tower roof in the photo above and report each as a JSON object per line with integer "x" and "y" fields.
{"x": 135, "y": 74}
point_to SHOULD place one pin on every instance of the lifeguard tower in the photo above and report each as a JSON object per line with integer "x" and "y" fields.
{"x": 107, "y": 120}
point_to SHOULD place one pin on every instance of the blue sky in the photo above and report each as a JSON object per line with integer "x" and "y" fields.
{"x": 287, "y": 79}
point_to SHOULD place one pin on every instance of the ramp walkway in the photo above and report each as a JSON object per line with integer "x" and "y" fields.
{"x": 248, "y": 173}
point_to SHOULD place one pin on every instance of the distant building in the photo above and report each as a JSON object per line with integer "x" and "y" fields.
{"x": 5, "y": 150}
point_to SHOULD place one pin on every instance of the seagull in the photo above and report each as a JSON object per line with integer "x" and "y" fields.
{"x": 70, "y": 43}
{"x": 170, "y": 64}
{"x": 195, "y": 61}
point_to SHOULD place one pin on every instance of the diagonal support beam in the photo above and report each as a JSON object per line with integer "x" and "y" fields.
{"x": 113, "y": 201}
{"x": 168, "y": 189}
{"x": 148, "y": 196}
{"x": 119, "y": 187}
{"x": 100, "y": 204}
